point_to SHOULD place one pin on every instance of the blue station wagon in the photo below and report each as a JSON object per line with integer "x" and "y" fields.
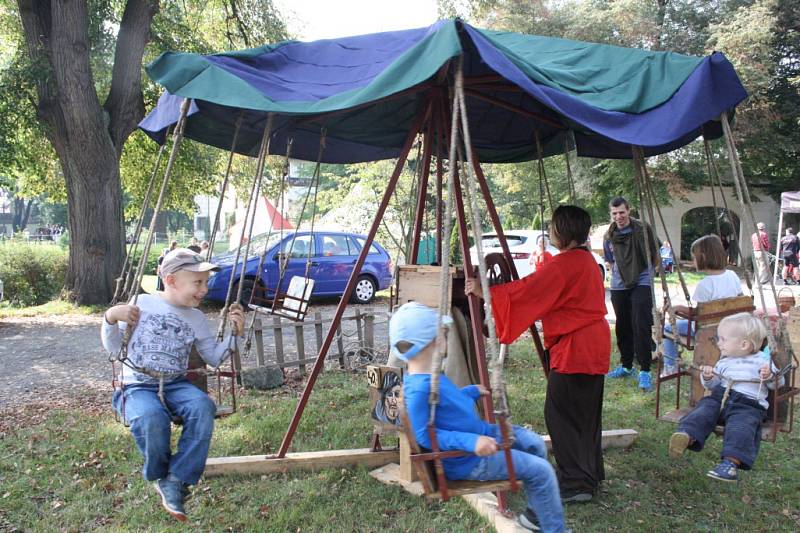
{"x": 330, "y": 261}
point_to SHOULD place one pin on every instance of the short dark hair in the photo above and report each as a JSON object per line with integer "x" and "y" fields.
{"x": 790, "y": 231}
{"x": 618, "y": 201}
{"x": 571, "y": 223}
{"x": 709, "y": 254}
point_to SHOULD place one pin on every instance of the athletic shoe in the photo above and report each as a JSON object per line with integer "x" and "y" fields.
{"x": 726, "y": 470}
{"x": 620, "y": 372}
{"x": 678, "y": 443}
{"x": 529, "y": 521}
{"x": 668, "y": 370}
{"x": 576, "y": 496}
{"x": 645, "y": 381}
{"x": 172, "y": 492}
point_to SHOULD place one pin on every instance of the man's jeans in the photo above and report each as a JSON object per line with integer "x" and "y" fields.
{"x": 151, "y": 426}
{"x": 532, "y": 468}
{"x": 669, "y": 346}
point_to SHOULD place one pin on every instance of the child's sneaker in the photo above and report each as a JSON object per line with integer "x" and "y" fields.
{"x": 645, "y": 381}
{"x": 678, "y": 443}
{"x": 620, "y": 372}
{"x": 172, "y": 492}
{"x": 726, "y": 470}
{"x": 529, "y": 521}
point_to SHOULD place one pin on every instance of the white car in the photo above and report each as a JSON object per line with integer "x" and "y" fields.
{"x": 522, "y": 245}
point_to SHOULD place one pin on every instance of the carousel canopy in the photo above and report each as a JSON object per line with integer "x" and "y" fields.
{"x": 364, "y": 92}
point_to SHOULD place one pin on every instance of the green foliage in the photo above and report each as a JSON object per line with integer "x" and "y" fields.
{"x": 32, "y": 274}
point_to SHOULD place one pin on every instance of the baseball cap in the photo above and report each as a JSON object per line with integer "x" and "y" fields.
{"x": 761, "y": 225}
{"x": 185, "y": 259}
{"x": 415, "y": 324}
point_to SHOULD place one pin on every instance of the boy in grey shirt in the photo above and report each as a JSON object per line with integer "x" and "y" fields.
{"x": 743, "y": 372}
{"x": 166, "y": 326}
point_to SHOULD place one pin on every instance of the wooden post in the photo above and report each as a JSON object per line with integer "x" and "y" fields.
{"x": 369, "y": 330}
{"x": 277, "y": 335}
{"x": 340, "y": 346}
{"x": 301, "y": 349}
{"x": 407, "y": 470}
{"x": 318, "y": 329}
{"x": 258, "y": 333}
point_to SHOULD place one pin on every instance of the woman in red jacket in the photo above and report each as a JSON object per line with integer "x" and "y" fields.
{"x": 568, "y": 296}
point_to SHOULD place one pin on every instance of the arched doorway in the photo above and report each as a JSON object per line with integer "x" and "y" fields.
{"x": 700, "y": 221}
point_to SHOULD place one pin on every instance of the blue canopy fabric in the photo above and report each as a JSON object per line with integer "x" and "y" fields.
{"x": 362, "y": 93}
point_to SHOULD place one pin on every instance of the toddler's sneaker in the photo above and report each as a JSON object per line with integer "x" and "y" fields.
{"x": 678, "y": 443}
{"x": 645, "y": 381}
{"x": 172, "y": 492}
{"x": 726, "y": 470}
{"x": 529, "y": 521}
{"x": 620, "y": 372}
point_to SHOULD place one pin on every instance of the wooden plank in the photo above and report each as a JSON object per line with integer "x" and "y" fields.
{"x": 297, "y": 362}
{"x": 369, "y": 330}
{"x": 340, "y": 345}
{"x": 713, "y": 311}
{"x": 277, "y": 335}
{"x": 318, "y": 330}
{"x": 420, "y": 283}
{"x": 675, "y": 416}
{"x": 296, "y": 462}
{"x": 407, "y": 470}
{"x": 259, "y": 336}
{"x": 484, "y": 503}
{"x": 301, "y": 348}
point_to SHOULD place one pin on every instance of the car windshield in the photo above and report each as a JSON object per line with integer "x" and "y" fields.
{"x": 259, "y": 242}
{"x": 491, "y": 241}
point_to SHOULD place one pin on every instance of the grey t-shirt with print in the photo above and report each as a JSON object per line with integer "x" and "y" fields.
{"x": 163, "y": 339}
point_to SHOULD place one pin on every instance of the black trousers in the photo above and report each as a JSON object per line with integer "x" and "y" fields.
{"x": 573, "y": 412}
{"x": 634, "y": 310}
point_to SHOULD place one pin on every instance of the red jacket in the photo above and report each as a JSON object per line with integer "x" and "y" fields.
{"x": 761, "y": 241}
{"x": 567, "y": 295}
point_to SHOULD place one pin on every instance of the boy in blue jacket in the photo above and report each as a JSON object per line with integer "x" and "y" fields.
{"x": 412, "y": 332}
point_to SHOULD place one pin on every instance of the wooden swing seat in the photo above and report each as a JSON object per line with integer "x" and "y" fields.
{"x": 432, "y": 483}
{"x": 709, "y": 314}
{"x": 292, "y": 304}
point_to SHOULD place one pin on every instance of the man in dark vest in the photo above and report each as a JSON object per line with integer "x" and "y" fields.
{"x": 626, "y": 245}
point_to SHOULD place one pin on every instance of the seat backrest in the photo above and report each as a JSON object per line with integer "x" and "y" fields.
{"x": 707, "y": 316}
{"x": 425, "y": 470}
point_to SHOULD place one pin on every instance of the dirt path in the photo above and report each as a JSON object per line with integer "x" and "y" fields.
{"x": 50, "y": 358}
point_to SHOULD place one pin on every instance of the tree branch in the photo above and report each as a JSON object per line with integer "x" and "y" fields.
{"x": 125, "y": 105}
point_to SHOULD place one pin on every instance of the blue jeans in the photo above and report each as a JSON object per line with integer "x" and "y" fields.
{"x": 742, "y": 417}
{"x": 669, "y": 347}
{"x": 529, "y": 455}
{"x": 151, "y": 426}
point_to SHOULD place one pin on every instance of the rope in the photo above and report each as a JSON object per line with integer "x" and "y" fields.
{"x": 573, "y": 195}
{"x": 224, "y": 188}
{"x": 657, "y": 331}
{"x": 177, "y": 137}
{"x": 744, "y": 200}
{"x": 124, "y": 278}
{"x": 444, "y": 243}
{"x": 497, "y": 379}
{"x": 251, "y": 204}
{"x": 726, "y": 211}
{"x": 542, "y": 173}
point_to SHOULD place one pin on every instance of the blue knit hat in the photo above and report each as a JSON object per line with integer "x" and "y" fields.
{"x": 415, "y": 324}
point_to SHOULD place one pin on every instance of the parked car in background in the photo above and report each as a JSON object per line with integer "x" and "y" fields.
{"x": 523, "y": 244}
{"x": 327, "y": 256}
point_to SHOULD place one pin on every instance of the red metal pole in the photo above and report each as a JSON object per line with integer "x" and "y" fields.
{"x": 422, "y": 193}
{"x": 501, "y": 236}
{"x": 337, "y": 317}
{"x": 474, "y": 302}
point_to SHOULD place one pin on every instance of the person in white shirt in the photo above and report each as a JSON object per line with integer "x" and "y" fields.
{"x": 738, "y": 399}
{"x": 710, "y": 257}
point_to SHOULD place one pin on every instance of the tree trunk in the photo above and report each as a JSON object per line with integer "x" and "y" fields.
{"x": 22, "y": 214}
{"x": 87, "y": 136}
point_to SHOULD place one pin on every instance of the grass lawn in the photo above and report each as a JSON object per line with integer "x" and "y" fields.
{"x": 80, "y": 472}
{"x": 54, "y": 307}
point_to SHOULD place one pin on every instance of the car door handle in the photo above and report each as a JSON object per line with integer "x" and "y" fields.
{"x": 314, "y": 264}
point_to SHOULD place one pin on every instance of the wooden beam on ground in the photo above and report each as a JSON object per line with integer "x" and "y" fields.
{"x": 484, "y": 503}
{"x": 300, "y": 461}
{"x": 612, "y": 438}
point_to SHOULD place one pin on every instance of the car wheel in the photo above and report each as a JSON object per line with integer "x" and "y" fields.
{"x": 247, "y": 291}
{"x": 364, "y": 291}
